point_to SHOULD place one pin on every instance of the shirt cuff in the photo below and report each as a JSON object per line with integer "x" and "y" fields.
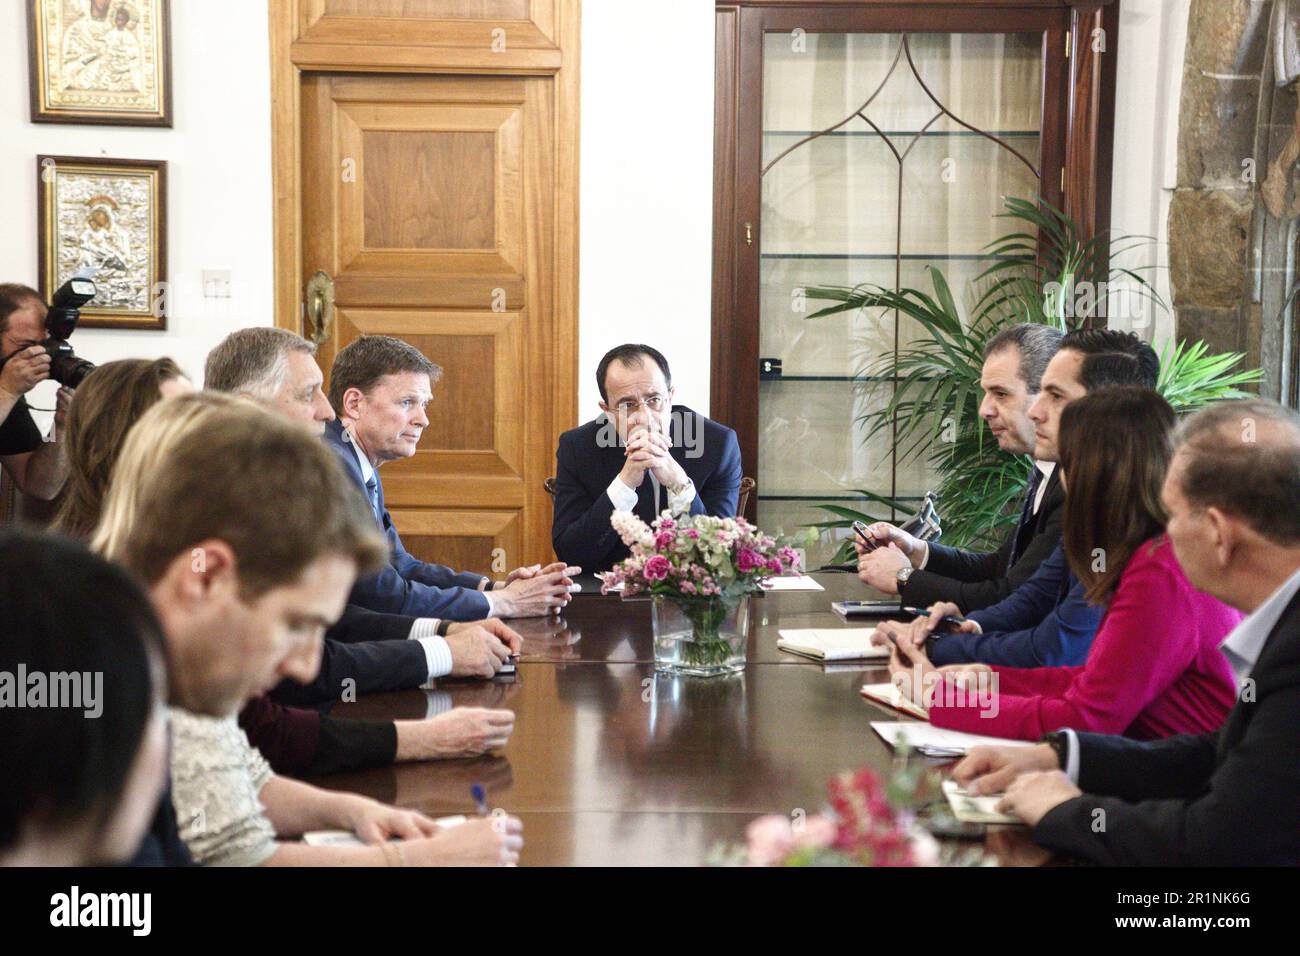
{"x": 925, "y": 557}
{"x": 437, "y": 652}
{"x": 1071, "y": 767}
{"x": 491, "y": 603}
{"x": 624, "y": 498}
{"x": 436, "y": 702}
{"x": 680, "y": 503}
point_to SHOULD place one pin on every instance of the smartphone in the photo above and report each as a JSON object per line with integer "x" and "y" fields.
{"x": 861, "y": 531}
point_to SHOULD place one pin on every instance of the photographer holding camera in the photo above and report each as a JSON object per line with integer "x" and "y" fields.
{"x": 36, "y": 465}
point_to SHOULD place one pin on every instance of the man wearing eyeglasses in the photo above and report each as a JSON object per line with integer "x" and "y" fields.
{"x": 643, "y": 454}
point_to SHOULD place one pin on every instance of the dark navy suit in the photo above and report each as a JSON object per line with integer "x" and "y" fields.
{"x": 581, "y": 532}
{"x": 1046, "y": 622}
{"x": 406, "y": 585}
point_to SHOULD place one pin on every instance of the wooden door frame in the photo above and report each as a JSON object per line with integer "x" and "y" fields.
{"x": 292, "y": 54}
{"x": 1077, "y": 102}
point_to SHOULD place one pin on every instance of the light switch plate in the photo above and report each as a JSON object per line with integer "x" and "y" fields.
{"x": 216, "y": 283}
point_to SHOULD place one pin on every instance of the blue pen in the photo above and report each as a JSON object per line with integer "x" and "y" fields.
{"x": 479, "y": 793}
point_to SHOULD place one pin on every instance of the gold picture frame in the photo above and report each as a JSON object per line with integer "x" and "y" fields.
{"x": 109, "y": 215}
{"x": 100, "y": 61}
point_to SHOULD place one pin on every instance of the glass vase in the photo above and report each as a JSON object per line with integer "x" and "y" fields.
{"x": 703, "y": 637}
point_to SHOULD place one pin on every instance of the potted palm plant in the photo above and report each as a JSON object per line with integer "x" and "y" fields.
{"x": 1046, "y": 271}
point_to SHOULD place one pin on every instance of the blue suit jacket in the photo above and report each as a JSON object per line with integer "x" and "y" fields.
{"x": 407, "y": 585}
{"x": 1043, "y": 623}
{"x": 581, "y": 532}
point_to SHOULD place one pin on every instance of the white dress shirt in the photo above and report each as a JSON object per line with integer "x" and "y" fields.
{"x": 624, "y": 498}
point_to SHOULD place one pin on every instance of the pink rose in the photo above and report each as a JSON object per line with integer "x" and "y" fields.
{"x": 749, "y": 560}
{"x": 770, "y": 840}
{"x": 774, "y": 565}
{"x": 664, "y": 540}
{"x": 656, "y": 568}
{"x": 693, "y": 534}
{"x": 817, "y": 832}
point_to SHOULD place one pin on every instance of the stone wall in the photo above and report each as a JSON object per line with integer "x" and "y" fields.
{"x": 1227, "y": 254}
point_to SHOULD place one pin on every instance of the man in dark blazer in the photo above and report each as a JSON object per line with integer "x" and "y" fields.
{"x": 643, "y": 454}
{"x": 365, "y": 651}
{"x": 1225, "y": 798}
{"x": 1030, "y": 373}
{"x": 379, "y": 387}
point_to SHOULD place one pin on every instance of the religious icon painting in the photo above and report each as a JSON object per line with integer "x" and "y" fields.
{"x": 100, "y": 61}
{"x": 106, "y": 219}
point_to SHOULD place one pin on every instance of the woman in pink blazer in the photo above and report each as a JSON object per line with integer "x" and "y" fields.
{"x": 1154, "y": 668}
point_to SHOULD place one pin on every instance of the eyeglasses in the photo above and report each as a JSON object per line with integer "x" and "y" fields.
{"x": 654, "y": 403}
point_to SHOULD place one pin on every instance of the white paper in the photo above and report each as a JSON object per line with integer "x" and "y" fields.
{"x": 976, "y": 809}
{"x": 835, "y": 644}
{"x": 792, "y": 582}
{"x": 925, "y": 734}
{"x": 348, "y": 838}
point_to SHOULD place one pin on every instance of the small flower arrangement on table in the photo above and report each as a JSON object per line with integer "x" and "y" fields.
{"x": 867, "y": 822}
{"x": 706, "y": 568}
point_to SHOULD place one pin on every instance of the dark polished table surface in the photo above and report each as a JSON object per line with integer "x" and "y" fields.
{"x": 613, "y": 764}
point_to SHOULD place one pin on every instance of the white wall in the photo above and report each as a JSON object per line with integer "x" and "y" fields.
{"x": 218, "y": 178}
{"x": 1152, "y": 41}
{"x": 647, "y": 189}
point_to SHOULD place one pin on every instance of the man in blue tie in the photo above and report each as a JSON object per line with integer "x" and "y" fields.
{"x": 379, "y": 387}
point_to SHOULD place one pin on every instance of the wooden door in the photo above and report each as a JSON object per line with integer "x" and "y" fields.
{"x": 440, "y": 198}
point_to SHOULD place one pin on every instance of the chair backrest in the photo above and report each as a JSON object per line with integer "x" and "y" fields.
{"x": 549, "y": 485}
{"x": 746, "y": 489}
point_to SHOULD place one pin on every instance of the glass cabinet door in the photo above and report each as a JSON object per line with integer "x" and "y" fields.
{"x": 869, "y": 178}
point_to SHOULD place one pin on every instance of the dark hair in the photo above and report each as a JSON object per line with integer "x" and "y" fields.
{"x": 13, "y": 296}
{"x": 67, "y": 611}
{"x": 1112, "y": 341}
{"x": 631, "y": 355}
{"x": 1035, "y": 344}
{"x": 1104, "y": 369}
{"x": 1115, "y": 450}
{"x": 362, "y": 363}
{"x": 105, "y": 406}
{"x": 1234, "y": 461}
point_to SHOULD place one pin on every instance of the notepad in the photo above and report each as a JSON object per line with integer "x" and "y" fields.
{"x": 832, "y": 644}
{"x": 969, "y": 808}
{"x": 791, "y": 582}
{"x": 348, "y": 838}
{"x": 939, "y": 738}
{"x": 888, "y": 695}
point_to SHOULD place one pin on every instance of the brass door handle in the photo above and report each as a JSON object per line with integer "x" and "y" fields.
{"x": 318, "y": 298}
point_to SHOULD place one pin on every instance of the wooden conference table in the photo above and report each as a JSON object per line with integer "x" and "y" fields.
{"x": 613, "y": 764}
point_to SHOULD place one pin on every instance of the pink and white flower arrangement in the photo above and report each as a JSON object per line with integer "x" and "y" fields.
{"x": 696, "y": 556}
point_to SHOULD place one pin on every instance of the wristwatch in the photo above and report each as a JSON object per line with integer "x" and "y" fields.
{"x": 903, "y": 575}
{"x": 443, "y": 627}
{"x": 1059, "y": 743}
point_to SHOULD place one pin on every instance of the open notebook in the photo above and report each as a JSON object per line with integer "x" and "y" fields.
{"x": 976, "y": 809}
{"x": 832, "y": 644}
{"x": 888, "y": 695}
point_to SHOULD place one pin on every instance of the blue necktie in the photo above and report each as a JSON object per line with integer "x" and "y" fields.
{"x": 372, "y": 489}
{"x": 1026, "y": 515}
